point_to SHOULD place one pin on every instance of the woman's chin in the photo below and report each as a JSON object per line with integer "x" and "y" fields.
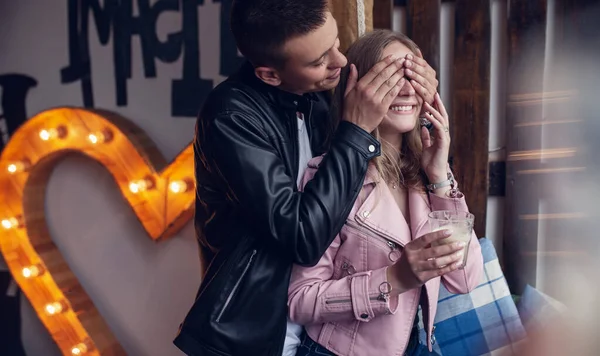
{"x": 401, "y": 123}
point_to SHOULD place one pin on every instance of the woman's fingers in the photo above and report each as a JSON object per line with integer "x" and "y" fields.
{"x": 441, "y": 262}
{"x": 352, "y": 79}
{"x": 442, "y": 108}
{"x": 442, "y": 250}
{"x": 440, "y": 129}
{"x": 437, "y": 120}
{"x": 425, "y": 137}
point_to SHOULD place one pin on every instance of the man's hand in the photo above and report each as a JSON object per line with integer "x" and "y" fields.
{"x": 421, "y": 76}
{"x": 366, "y": 101}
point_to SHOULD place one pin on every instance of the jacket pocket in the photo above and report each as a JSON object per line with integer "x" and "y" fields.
{"x": 333, "y": 301}
{"x": 236, "y": 286}
{"x": 393, "y": 248}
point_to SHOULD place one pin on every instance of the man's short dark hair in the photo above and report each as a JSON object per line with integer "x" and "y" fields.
{"x": 261, "y": 27}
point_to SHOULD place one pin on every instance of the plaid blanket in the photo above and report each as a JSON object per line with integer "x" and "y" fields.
{"x": 538, "y": 309}
{"x": 483, "y": 322}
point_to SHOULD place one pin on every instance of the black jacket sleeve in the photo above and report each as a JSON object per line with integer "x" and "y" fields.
{"x": 300, "y": 224}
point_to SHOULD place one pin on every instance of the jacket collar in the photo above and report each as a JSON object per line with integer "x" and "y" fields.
{"x": 274, "y": 94}
{"x": 379, "y": 211}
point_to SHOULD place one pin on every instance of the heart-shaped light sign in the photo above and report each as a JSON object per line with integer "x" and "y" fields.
{"x": 161, "y": 196}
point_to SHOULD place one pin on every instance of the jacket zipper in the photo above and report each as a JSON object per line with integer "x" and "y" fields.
{"x": 236, "y": 286}
{"x": 391, "y": 244}
{"x": 339, "y": 301}
{"x": 350, "y": 270}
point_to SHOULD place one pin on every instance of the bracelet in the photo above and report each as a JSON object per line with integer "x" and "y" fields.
{"x": 447, "y": 182}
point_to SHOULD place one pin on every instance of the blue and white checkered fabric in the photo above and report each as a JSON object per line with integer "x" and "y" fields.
{"x": 538, "y": 309}
{"x": 483, "y": 322}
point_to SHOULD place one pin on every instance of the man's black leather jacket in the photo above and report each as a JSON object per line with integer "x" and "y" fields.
{"x": 250, "y": 213}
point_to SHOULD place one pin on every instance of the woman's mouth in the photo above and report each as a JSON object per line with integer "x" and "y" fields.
{"x": 402, "y": 109}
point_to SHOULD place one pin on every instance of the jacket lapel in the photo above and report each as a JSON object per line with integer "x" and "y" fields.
{"x": 380, "y": 213}
{"x": 419, "y": 210}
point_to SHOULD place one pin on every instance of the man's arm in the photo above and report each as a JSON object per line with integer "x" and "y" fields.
{"x": 301, "y": 225}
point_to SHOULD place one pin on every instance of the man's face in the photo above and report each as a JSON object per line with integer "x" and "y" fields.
{"x": 313, "y": 61}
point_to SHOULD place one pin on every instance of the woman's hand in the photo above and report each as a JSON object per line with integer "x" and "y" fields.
{"x": 434, "y": 160}
{"x": 420, "y": 261}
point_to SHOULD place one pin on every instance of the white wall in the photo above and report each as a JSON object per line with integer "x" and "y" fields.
{"x": 495, "y": 205}
{"x": 142, "y": 288}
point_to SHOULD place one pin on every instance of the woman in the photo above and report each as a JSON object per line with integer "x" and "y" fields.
{"x": 362, "y": 297}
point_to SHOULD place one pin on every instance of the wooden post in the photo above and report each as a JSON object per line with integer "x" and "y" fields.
{"x": 382, "y": 14}
{"x": 348, "y": 14}
{"x": 423, "y": 27}
{"x": 471, "y": 103}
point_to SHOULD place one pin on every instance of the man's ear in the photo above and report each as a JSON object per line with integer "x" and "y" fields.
{"x": 268, "y": 75}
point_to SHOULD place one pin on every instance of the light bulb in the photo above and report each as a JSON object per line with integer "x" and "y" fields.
{"x": 52, "y": 133}
{"x": 93, "y": 138}
{"x": 32, "y": 271}
{"x": 100, "y": 136}
{"x": 79, "y": 349}
{"x": 13, "y": 167}
{"x": 46, "y": 134}
{"x": 180, "y": 186}
{"x": 141, "y": 185}
{"x": 18, "y": 166}
{"x": 54, "y": 308}
{"x": 10, "y": 223}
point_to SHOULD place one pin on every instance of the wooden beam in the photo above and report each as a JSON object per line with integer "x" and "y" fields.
{"x": 383, "y": 14}
{"x": 423, "y": 27}
{"x": 347, "y": 14}
{"x": 471, "y": 103}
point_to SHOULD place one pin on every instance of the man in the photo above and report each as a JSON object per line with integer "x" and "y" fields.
{"x": 255, "y": 134}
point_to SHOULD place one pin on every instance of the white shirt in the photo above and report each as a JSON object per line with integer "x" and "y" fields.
{"x": 294, "y": 331}
{"x": 303, "y": 148}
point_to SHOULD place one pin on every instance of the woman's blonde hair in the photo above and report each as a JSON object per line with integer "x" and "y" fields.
{"x": 403, "y": 167}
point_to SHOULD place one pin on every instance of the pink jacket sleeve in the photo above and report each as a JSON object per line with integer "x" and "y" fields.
{"x": 315, "y": 298}
{"x": 464, "y": 280}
